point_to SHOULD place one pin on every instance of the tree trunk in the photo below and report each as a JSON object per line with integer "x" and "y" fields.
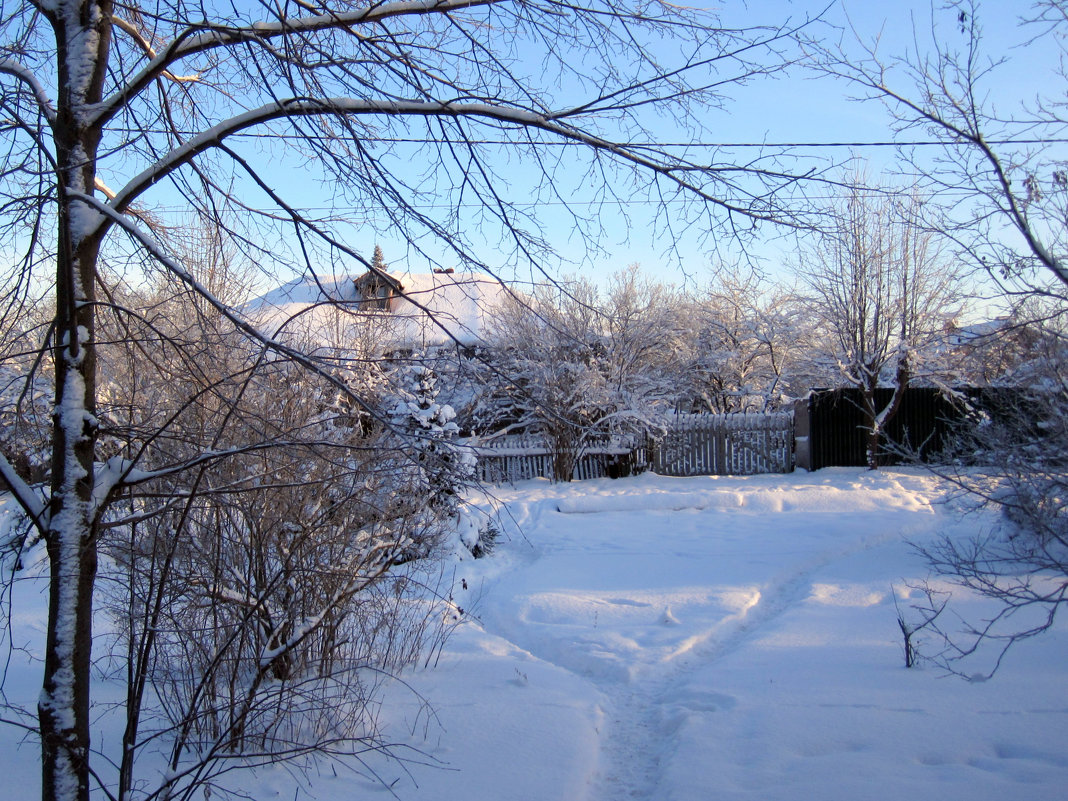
{"x": 566, "y": 450}
{"x": 871, "y": 422}
{"x": 871, "y": 452}
{"x": 82, "y": 36}
{"x": 878, "y": 420}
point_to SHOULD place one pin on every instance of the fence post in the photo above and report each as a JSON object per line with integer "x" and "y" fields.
{"x": 719, "y": 465}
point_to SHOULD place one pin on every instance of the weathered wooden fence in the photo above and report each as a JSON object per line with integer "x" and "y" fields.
{"x": 726, "y": 444}
{"x": 525, "y": 456}
{"x": 721, "y": 444}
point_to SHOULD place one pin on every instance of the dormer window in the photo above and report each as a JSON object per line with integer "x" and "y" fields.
{"x": 377, "y": 290}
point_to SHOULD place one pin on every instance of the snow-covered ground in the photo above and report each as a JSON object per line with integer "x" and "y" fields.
{"x": 702, "y": 639}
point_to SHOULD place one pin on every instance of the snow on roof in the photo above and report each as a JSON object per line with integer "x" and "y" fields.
{"x": 434, "y": 309}
{"x": 966, "y": 334}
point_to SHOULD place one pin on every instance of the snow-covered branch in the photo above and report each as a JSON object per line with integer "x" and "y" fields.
{"x": 44, "y": 103}
{"x": 146, "y": 46}
{"x": 372, "y": 558}
{"x": 120, "y": 472}
{"x": 151, "y": 245}
{"x": 30, "y": 499}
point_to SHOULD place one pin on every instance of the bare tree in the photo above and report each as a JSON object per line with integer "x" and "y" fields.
{"x": 113, "y": 113}
{"x": 1001, "y": 170}
{"x": 882, "y": 292}
{"x": 998, "y": 179}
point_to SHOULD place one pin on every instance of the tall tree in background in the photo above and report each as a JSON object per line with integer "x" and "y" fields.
{"x": 378, "y": 261}
{"x": 115, "y": 112}
{"x": 882, "y": 292}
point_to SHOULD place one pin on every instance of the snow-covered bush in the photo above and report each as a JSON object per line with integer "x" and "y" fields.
{"x": 478, "y": 535}
{"x": 580, "y": 368}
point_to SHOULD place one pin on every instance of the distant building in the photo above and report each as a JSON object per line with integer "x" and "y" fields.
{"x": 383, "y": 311}
{"x": 971, "y": 334}
{"x": 378, "y": 291}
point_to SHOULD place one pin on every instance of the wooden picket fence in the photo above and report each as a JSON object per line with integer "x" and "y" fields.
{"x": 525, "y": 456}
{"x": 705, "y": 444}
{"x": 726, "y": 444}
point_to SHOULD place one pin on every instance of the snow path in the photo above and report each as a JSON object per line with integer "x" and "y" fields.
{"x": 641, "y": 643}
{"x": 705, "y": 639}
{"x": 644, "y": 714}
{"x": 647, "y": 710}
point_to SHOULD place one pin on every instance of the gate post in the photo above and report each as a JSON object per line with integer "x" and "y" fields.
{"x": 803, "y": 434}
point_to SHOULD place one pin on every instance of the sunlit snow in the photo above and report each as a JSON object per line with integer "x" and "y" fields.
{"x": 694, "y": 640}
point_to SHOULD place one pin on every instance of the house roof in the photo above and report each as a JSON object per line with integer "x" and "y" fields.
{"x": 432, "y": 309}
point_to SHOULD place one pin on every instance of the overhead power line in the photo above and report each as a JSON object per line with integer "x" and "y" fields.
{"x": 417, "y": 140}
{"x": 723, "y": 145}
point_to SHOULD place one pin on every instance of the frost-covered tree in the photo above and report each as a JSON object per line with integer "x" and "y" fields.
{"x": 580, "y": 366}
{"x": 426, "y": 429}
{"x": 116, "y": 113}
{"x": 750, "y": 346}
{"x": 645, "y": 342}
{"x": 881, "y": 291}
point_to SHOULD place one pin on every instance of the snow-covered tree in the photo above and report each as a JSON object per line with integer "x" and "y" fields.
{"x": 426, "y": 429}
{"x": 645, "y": 341}
{"x": 579, "y": 366}
{"x": 750, "y": 346}
{"x": 881, "y": 291}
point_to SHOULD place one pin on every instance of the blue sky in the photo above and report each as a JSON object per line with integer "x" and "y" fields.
{"x": 800, "y": 107}
{"x": 796, "y": 107}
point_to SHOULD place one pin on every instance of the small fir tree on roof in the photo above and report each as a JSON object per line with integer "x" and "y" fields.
{"x": 378, "y": 261}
